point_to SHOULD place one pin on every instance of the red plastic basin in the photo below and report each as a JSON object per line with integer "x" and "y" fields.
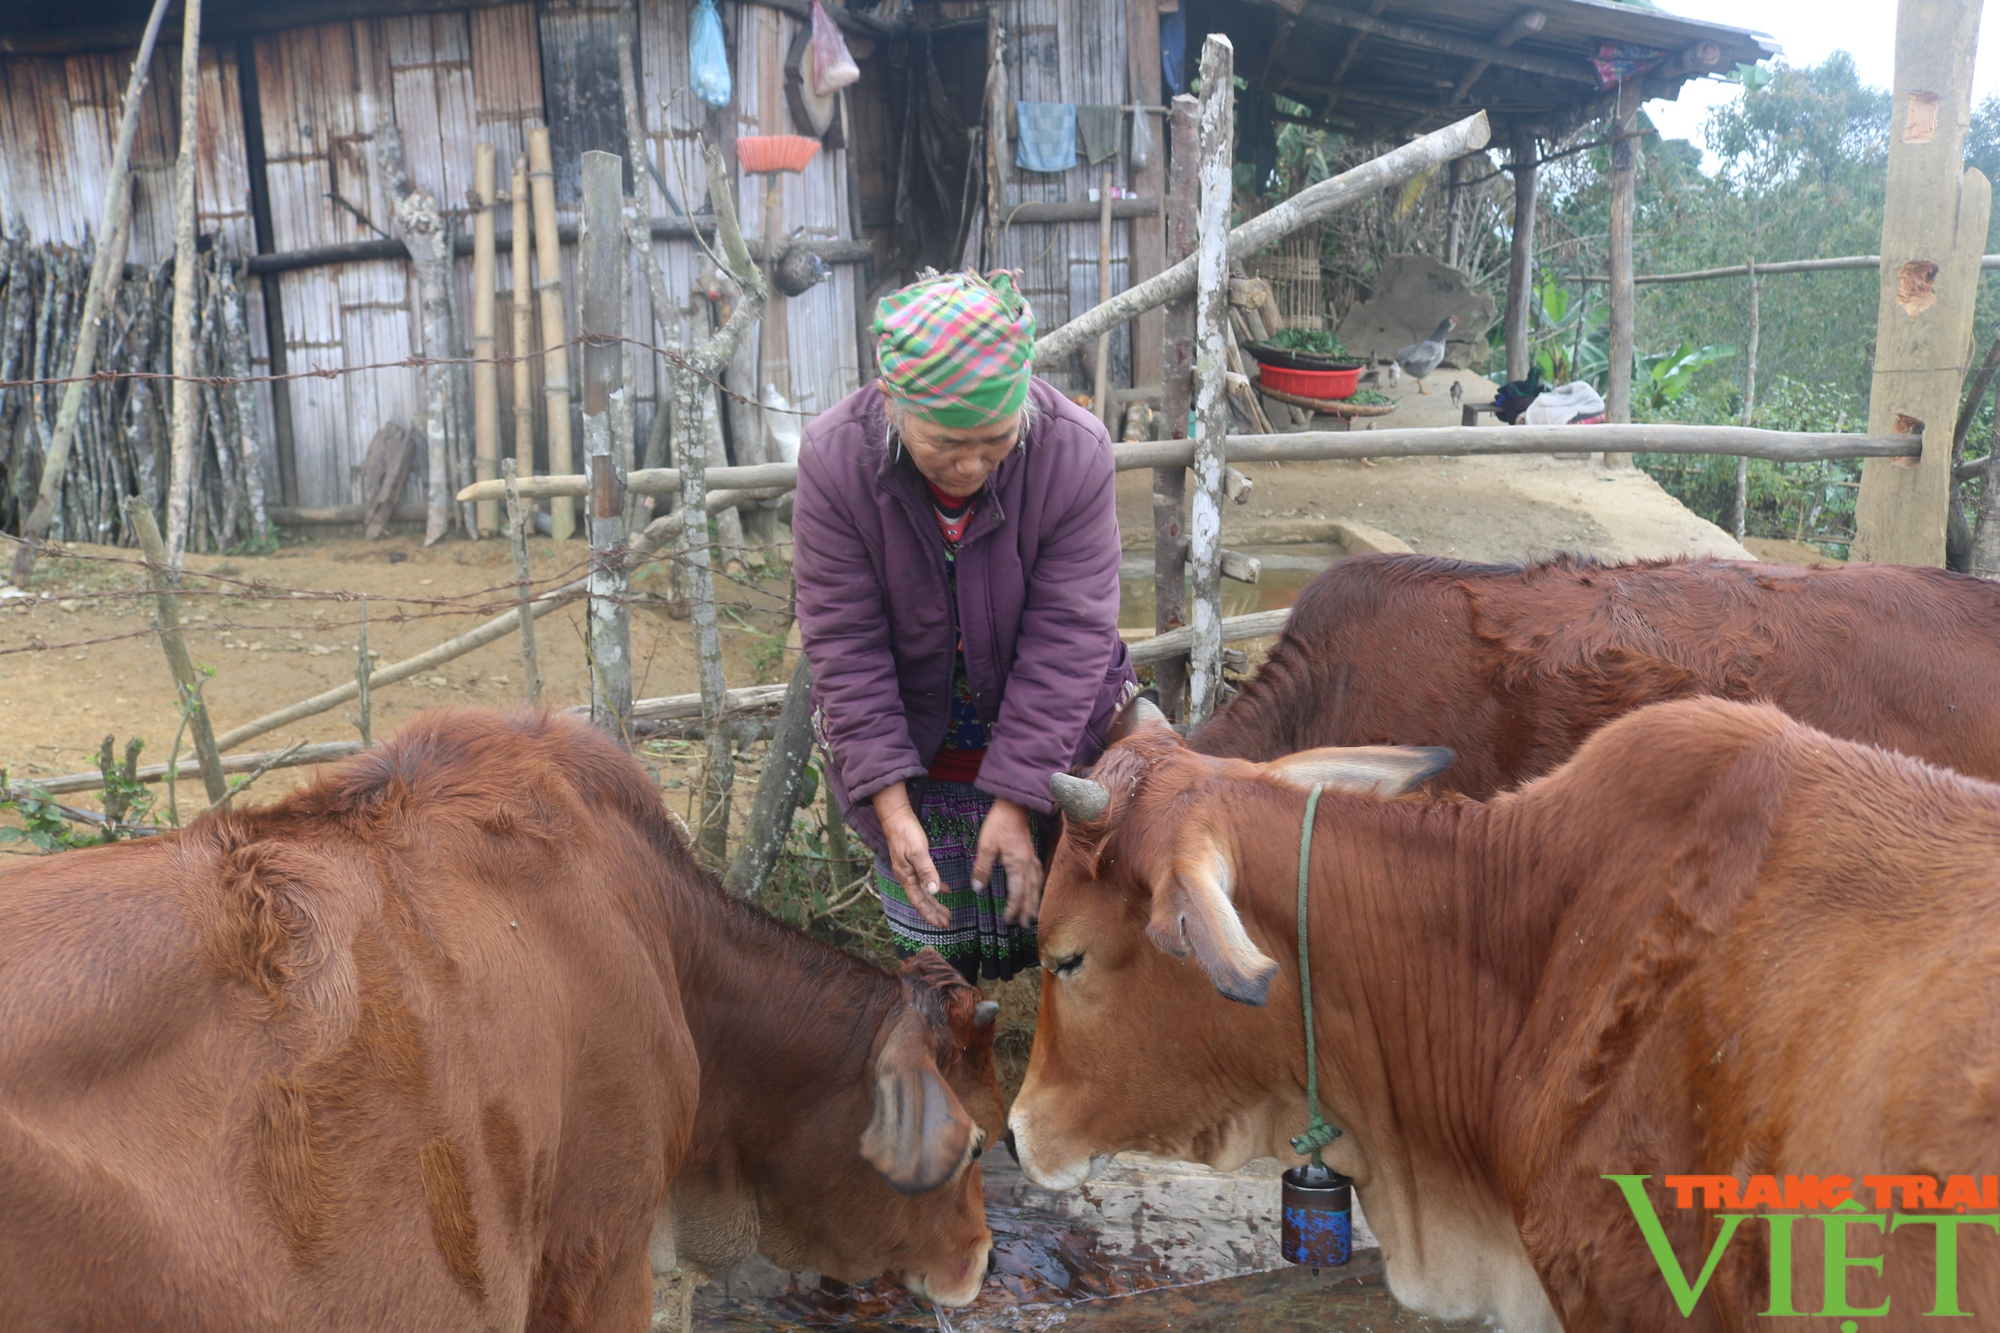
{"x": 1312, "y": 383}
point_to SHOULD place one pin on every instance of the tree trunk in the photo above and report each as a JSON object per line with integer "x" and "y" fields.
{"x": 423, "y": 230}
{"x": 185, "y": 459}
{"x": 1210, "y": 385}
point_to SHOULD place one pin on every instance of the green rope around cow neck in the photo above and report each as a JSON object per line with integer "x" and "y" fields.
{"x": 1319, "y": 1132}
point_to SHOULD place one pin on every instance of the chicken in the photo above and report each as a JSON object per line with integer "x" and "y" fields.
{"x": 1420, "y": 359}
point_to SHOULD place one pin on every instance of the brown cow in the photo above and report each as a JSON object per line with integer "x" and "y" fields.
{"x": 1512, "y": 668}
{"x": 1716, "y": 942}
{"x": 424, "y": 1045}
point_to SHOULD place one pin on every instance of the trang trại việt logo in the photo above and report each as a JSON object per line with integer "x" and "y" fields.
{"x": 1831, "y": 1201}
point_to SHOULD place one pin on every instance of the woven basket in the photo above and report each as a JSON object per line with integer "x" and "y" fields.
{"x": 1292, "y": 269}
{"x": 775, "y": 152}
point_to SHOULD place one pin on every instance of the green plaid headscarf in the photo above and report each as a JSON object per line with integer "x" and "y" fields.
{"x": 958, "y": 349}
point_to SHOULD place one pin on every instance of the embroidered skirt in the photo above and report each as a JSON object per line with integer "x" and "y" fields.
{"x": 978, "y": 942}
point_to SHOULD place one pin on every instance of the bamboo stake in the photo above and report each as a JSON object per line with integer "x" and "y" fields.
{"x": 113, "y": 230}
{"x": 187, "y": 394}
{"x": 1211, "y": 388}
{"x": 600, "y": 265}
{"x": 555, "y": 365}
{"x": 186, "y": 681}
{"x": 517, "y": 536}
{"x": 485, "y": 373}
{"x": 524, "y": 326}
{"x": 1101, "y": 384}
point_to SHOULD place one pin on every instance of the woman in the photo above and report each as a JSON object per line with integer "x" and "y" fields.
{"x": 955, "y": 540}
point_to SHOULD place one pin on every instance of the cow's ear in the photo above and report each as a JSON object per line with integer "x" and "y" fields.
{"x": 1366, "y": 770}
{"x": 1192, "y": 911}
{"x": 920, "y": 1134}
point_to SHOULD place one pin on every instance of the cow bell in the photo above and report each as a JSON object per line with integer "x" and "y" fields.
{"x": 1319, "y": 1216}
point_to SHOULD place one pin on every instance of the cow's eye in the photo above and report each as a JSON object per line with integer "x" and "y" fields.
{"x": 1066, "y": 967}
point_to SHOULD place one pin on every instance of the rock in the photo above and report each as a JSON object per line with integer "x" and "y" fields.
{"x": 1413, "y": 294}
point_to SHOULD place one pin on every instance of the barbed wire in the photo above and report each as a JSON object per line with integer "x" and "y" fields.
{"x": 673, "y": 357}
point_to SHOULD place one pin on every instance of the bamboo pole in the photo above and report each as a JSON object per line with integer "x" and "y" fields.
{"x": 187, "y": 682}
{"x": 600, "y": 267}
{"x": 1309, "y": 205}
{"x": 1176, "y": 397}
{"x": 1211, "y": 315}
{"x": 485, "y": 372}
{"x": 1749, "y": 405}
{"x": 524, "y": 324}
{"x": 1307, "y": 445}
{"x": 114, "y": 226}
{"x": 517, "y": 536}
{"x": 555, "y": 364}
{"x": 1101, "y": 384}
{"x": 1933, "y": 228}
{"x": 186, "y": 393}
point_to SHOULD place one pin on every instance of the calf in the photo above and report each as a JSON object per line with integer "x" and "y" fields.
{"x": 425, "y": 1044}
{"x": 1512, "y": 668}
{"x": 1715, "y": 943}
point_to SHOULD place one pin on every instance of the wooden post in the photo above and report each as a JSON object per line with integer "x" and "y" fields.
{"x": 1148, "y": 246}
{"x": 1211, "y": 316}
{"x": 517, "y": 536}
{"x": 187, "y": 394}
{"x": 1624, "y": 199}
{"x": 1933, "y": 229}
{"x": 600, "y": 269}
{"x": 140, "y": 519}
{"x": 1101, "y": 385}
{"x": 485, "y": 373}
{"x": 1521, "y": 254}
{"x": 364, "y": 669}
{"x": 106, "y": 267}
{"x": 1749, "y": 404}
{"x": 1183, "y": 208}
{"x": 778, "y": 790}
{"x": 1454, "y": 211}
{"x": 524, "y": 326}
{"x": 555, "y": 364}
{"x": 996, "y": 137}
{"x": 423, "y": 230}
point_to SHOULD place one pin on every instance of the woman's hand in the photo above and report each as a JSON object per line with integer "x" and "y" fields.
{"x": 1004, "y": 837}
{"x": 910, "y": 854}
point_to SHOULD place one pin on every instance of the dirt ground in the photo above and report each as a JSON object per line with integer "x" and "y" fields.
{"x": 77, "y": 660}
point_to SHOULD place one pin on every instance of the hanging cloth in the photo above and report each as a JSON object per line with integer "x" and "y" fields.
{"x": 1046, "y": 137}
{"x": 1097, "y": 131}
{"x": 1173, "y": 50}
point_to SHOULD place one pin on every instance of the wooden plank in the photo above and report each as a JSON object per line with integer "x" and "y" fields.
{"x": 580, "y": 88}
{"x": 1933, "y": 231}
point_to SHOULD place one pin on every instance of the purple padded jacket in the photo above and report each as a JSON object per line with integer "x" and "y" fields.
{"x": 1037, "y": 602}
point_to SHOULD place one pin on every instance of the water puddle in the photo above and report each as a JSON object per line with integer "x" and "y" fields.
{"x": 1147, "y": 1245}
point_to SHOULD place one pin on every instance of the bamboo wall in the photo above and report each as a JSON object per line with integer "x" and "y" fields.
{"x": 450, "y": 80}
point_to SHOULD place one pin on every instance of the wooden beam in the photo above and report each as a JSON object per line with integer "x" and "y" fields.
{"x": 1431, "y": 151}
{"x": 1624, "y": 207}
{"x": 1148, "y": 247}
{"x": 1211, "y": 399}
{"x": 1430, "y": 39}
{"x": 1079, "y": 210}
{"x": 1526, "y": 23}
{"x": 1521, "y": 254}
{"x": 1354, "y": 41}
{"x": 1932, "y": 233}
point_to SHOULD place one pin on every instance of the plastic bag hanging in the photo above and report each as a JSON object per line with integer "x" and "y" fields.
{"x": 1142, "y": 138}
{"x": 833, "y": 67}
{"x": 708, "y": 56}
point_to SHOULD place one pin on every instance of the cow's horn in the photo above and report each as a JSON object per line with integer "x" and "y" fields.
{"x": 1149, "y": 711}
{"x": 1080, "y": 798}
{"x": 984, "y": 1013}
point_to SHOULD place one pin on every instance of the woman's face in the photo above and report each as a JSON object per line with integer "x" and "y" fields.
{"x": 958, "y": 462}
